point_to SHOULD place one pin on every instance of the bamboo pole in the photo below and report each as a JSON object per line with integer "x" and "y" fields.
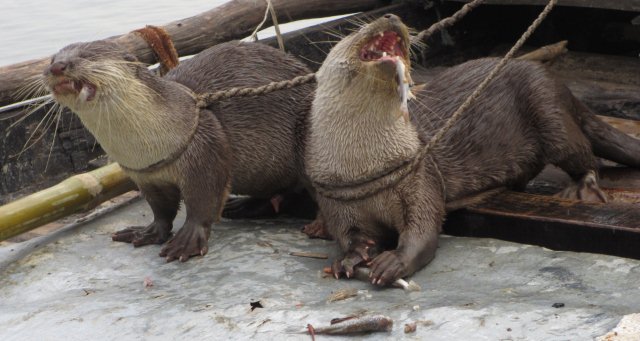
{"x": 78, "y": 193}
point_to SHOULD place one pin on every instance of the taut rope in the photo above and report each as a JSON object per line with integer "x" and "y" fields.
{"x": 205, "y": 99}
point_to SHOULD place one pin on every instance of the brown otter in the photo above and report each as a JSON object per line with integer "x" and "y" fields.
{"x": 523, "y": 120}
{"x": 172, "y": 151}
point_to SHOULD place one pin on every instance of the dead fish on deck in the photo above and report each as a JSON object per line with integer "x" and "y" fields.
{"x": 362, "y": 273}
{"x": 365, "y": 324}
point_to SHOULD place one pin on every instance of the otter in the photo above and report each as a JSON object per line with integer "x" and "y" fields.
{"x": 174, "y": 151}
{"x": 360, "y": 133}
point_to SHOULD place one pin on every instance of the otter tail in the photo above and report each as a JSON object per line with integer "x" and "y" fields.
{"x": 606, "y": 141}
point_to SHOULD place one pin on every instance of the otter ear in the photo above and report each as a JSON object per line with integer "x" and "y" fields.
{"x": 130, "y": 58}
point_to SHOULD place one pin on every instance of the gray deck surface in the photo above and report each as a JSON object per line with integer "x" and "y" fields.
{"x": 79, "y": 285}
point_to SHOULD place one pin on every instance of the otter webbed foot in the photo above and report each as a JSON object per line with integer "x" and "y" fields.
{"x": 191, "y": 240}
{"x": 316, "y": 229}
{"x": 586, "y": 189}
{"x": 154, "y": 233}
{"x": 387, "y": 267}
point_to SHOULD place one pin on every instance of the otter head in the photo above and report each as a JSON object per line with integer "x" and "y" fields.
{"x": 369, "y": 58}
{"x": 83, "y": 74}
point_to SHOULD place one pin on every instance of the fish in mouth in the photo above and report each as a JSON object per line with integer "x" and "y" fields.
{"x": 389, "y": 47}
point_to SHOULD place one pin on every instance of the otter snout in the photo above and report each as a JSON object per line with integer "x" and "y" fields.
{"x": 393, "y": 19}
{"x": 57, "y": 68}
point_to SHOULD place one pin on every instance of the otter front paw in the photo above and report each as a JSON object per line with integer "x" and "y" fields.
{"x": 387, "y": 267}
{"x": 359, "y": 254}
{"x": 154, "y": 233}
{"x": 189, "y": 241}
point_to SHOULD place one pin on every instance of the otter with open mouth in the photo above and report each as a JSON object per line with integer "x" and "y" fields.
{"x": 358, "y": 137}
{"x": 174, "y": 151}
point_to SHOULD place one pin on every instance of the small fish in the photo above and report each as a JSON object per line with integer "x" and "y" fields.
{"x": 365, "y": 324}
{"x": 403, "y": 89}
{"x": 362, "y": 273}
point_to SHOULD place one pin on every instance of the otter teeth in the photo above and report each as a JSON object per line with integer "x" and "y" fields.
{"x": 384, "y": 54}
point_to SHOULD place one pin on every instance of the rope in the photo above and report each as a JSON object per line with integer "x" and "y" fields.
{"x": 173, "y": 156}
{"x": 276, "y": 26}
{"x": 447, "y": 22}
{"x": 205, "y": 99}
{"x": 373, "y": 186}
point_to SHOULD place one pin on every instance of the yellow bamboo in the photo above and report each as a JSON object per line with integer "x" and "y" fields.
{"x": 77, "y": 193}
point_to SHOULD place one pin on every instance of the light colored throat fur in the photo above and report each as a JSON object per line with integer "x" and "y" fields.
{"x": 136, "y": 126}
{"x": 357, "y": 133}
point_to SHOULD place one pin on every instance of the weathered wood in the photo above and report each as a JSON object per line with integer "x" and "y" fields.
{"x": 612, "y": 90}
{"x": 623, "y": 5}
{"x": 233, "y": 20}
{"x": 555, "y": 223}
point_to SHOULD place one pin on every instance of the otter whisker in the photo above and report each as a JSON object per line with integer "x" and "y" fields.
{"x": 33, "y": 108}
{"x": 33, "y": 87}
{"x": 309, "y": 60}
{"x": 48, "y": 115}
{"x": 314, "y": 45}
{"x": 332, "y": 32}
{"x": 57, "y": 115}
{"x": 324, "y": 42}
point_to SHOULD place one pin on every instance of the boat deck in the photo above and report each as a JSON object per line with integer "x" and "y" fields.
{"x": 78, "y": 284}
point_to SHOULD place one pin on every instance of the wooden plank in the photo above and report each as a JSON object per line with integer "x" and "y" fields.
{"x": 623, "y": 5}
{"x": 233, "y": 20}
{"x": 552, "y": 222}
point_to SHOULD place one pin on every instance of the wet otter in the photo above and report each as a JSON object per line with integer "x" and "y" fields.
{"x": 171, "y": 150}
{"x": 522, "y": 121}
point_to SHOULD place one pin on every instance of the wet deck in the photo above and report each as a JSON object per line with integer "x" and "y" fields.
{"x": 79, "y": 285}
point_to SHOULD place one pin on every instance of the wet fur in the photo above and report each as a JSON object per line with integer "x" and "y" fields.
{"x": 522, "y": 121}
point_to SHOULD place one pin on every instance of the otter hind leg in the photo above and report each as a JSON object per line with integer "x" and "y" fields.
{"x": 164, "y": 202}
{"x": 585, "y": 189}
{"x": 251, "y": 207}
{"x": 294, "y": 203}
{"x": 317, "y": 229}
{"x": 567, "y": 146}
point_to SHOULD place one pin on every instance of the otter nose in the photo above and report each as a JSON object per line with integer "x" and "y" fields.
{"x": 391, "y": 17}
{"x": 57, "y": 68}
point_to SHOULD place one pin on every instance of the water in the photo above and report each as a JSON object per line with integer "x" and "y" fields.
{"x": 38, "y": 28}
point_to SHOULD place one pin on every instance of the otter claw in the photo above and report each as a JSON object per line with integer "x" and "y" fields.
{"x": 155, "y": 233}
{"x": 189, "y": 241}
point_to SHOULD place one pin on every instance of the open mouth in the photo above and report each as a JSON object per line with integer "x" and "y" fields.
{"x": 85, "y": 90}
{"x": 384, "y": 45}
